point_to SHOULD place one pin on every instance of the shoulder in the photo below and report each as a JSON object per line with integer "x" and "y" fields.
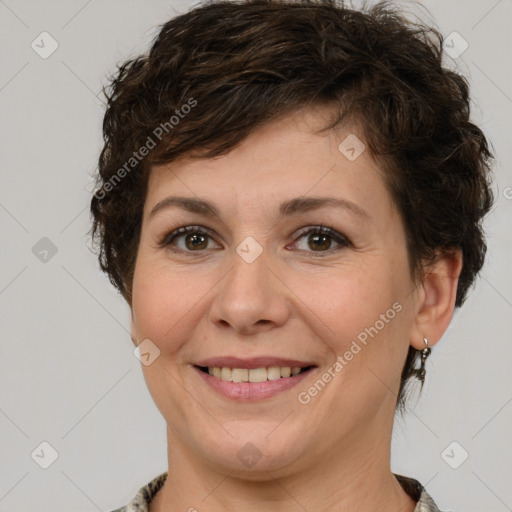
{"x": 144, "y": 496}
{"x": 424, "y": 503}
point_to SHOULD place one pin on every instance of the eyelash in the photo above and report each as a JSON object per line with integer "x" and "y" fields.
{"x": 310, "y": 230}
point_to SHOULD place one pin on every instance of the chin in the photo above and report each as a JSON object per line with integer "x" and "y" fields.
{"x": 255, "y": 450}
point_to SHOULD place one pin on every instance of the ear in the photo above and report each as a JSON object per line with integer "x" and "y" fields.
{"x": 437, "y": 297}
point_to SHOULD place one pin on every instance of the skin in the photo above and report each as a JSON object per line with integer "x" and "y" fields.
{"x": 295, "y": 300}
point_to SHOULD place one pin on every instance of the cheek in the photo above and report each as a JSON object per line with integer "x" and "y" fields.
{"x": 365, "y": 319}
{"x": 168, "y": 301}
{"x": 160, "y": 300}
{"x": 351, "y": 299}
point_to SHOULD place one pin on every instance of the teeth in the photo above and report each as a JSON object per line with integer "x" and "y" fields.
{"x": 254, "y": 374}
{"x": 274, "y": 373}
{"x": 257, "y": 375}
{"x": 225, "y": 374}
{"x": 239, "y": 374}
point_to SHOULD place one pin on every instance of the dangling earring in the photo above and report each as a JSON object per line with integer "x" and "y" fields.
{"x": 421, "y": 372}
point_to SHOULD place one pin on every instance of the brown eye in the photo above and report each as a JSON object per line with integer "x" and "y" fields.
{"x": 196, "y": 242}
{"x": 321, "y": 242}
{"x": 187, "y": 239}
{"x": 321, "y": 239}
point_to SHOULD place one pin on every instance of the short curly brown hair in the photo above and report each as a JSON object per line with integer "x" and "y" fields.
{"x": 216, "y": 73}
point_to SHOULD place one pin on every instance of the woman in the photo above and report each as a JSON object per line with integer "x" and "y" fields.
{"x": 290, "y": 200}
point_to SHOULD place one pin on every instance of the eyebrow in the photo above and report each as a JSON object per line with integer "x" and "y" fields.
{"x": 287, "y": 208}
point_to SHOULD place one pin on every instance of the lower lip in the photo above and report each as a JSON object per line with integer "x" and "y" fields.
{"x": 251, "y": 391}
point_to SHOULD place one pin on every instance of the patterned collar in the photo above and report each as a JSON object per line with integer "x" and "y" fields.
{"x": 140, "y": 503}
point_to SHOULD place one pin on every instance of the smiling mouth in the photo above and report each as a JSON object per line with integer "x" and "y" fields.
{"x": 254, "y": 374}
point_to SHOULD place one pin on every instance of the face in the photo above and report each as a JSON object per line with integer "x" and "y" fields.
{"x": 271, "y": 275}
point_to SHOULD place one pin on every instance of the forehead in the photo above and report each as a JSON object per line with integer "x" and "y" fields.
{"x": 287, "y": 158}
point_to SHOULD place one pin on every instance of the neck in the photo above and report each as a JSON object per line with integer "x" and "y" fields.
{"x": 347, "y": 479}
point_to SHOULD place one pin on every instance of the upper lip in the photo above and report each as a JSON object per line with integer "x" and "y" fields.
{"x": 253, "y": 362}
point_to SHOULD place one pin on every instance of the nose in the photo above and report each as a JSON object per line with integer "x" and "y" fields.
{"x": 251, "y": 298}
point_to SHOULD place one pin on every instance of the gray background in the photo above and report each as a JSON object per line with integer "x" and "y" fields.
{"x": 68, "y": 375}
